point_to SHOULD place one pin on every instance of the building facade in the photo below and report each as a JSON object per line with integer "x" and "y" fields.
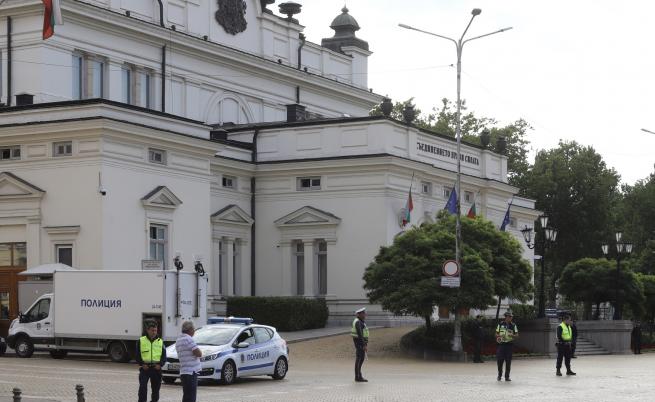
{"x": 214, "y": 129}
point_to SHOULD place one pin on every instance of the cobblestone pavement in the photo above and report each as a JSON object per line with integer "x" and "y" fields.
{"x": 321, "y": 370}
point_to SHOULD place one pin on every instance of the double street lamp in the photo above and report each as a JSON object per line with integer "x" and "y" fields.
{"x": 548, "y": 237}
{"x": 622, "y": 249}
{"x": 459, "y": 45}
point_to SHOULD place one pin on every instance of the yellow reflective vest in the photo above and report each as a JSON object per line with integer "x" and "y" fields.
{"x": 505, "y": 334}
{"x": 567, "y": 333}
{"x": 151, "y": 351}
{"x": 353, "y": 330}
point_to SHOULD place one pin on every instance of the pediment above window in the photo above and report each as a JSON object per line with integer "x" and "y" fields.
{"x": 161, "y": 197}
{"x": 232, "y": 214}
{"x": 308, "y": 216}
{"x": 13, "y": 187}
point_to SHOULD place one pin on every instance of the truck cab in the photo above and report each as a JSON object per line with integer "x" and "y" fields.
{"x": 33, "y": 327}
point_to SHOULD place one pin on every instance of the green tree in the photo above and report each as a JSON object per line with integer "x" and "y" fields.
{"x": 636, "y": 216}
{"x": 648, "y": 286}
{"x": 575, "y": 188}
{"x": 443, "y": 120}
{"x": 589, "y": 281}
{"x": 405, "y": 276}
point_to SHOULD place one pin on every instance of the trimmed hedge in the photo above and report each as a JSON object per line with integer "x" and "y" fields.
{"x": 283, "y": 313}
{"x": 523, "y": 311}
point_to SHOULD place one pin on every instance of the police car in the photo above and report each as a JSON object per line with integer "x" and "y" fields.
{"x": 3, "y": 346}
{"x": 233, "y": 348}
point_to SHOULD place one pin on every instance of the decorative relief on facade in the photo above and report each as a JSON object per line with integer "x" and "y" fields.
{"x": 231, "y": 15}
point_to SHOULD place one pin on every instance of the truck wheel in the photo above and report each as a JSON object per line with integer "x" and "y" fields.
{"x": 24, "y": 347}
{"x": 281, "y": 369}
{"x": 169, "y": 380}
{"x": 228, "y": 373}
{"x": 58, "y": 354}
{"x": 117, "y": 352}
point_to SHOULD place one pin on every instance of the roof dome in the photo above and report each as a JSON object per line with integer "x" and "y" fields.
{"x": 345, "y": 26}
{"x": 345, "y": 20}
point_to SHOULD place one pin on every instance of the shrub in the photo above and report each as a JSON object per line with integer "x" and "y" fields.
{"x": 523, "y": 312}
{"x": 283, "y": 313}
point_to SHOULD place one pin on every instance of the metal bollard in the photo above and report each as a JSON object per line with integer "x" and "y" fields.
{"x": 80, "y": 392}
{"x": 17, "y": 393}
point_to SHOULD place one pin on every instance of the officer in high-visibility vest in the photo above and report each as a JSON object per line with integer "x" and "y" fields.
{"x": 359, "y": 333}
{"x": 506, "y": 332}
{"x": 564, "y": 340}
{"x": 150, "y": 355}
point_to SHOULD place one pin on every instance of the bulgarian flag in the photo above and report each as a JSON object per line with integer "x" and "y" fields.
{"x": 472, "y": 212}
{"x": 408, "y": 209}
{"x": 51, "y": 17}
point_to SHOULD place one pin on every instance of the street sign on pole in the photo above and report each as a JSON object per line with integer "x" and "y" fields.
{"x": 451, "y": 277}
{"x": 450, "y": 281}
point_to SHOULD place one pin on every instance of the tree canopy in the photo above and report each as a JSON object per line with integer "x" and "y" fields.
{"x": 405, "y": 276}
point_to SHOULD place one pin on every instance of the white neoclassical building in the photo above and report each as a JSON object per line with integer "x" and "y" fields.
{"x": 143, "y": 128}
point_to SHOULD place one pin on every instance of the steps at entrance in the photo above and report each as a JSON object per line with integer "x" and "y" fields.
{"x": 585, "y": 347}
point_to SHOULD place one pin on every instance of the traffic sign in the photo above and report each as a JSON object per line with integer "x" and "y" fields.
{"x": 450, "y": 268}
{"x": 450, "y": 281}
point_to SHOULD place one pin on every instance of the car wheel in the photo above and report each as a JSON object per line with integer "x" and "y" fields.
{"x": 281, "y": 368}
{"x": 58, "y": 354}
{"x": 169, "y": 380}
{"x": 228, "y": 373}
{"x": 117, "y": 352}
{"x": 24, "y": 347}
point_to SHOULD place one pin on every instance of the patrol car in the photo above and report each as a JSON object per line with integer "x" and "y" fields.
{"x": 234, "y": 348}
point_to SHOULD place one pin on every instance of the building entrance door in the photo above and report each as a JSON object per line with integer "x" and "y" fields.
{"x": 13, "y": 259}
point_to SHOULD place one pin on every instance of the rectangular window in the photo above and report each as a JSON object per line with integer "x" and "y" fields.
{"x": 126, "y": 85}
{"x": 426, "y": 188}
{"x": 299, "y": 256}
{"x": 308, "y": 183}
{"x": 7, "y": 153}
{"x": 468, "y": 196}
{"x": 5, "y": 254}
{"x": 77, "y": 77}
{"x": 229, "y": 182}
{"x": 322, "y": 267}
{"x": 13, "y": 254}
{"x": 97, "y": 79}
{"x": 4, "y": 305}
{"x": 62, "y": 148}
{"x": 144, "y": 89}
{"x": 512, "y": 222}
{"x": 447, "y": 191}
{"x": 159, "y": 243}
{"x": 64, "y": 254}
{"x": 156, "y": 156}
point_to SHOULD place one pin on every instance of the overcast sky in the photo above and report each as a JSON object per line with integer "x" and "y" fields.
{"x": 578, "y": 70}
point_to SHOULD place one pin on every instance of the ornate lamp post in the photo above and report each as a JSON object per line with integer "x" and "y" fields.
{"x": 622, "y": 249}
{"x": 548, "y": 237}
{"x": 459, "y": 45}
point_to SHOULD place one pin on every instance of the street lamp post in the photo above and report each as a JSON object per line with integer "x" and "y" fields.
{"x": 548, "y": 236}
{"x": 459, "y": 45}
{"x": 622, "y": 249}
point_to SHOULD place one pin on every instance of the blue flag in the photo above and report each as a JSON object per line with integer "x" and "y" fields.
{"x": 451, "y": 205}
{"x": 506, "y": 218}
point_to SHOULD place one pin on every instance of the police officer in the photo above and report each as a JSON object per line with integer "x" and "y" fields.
{"x": 564, "y": 348}
{"x": 506, "y": 332}
{"x": 151, "y": 355}
{"x": 359, "y": 332}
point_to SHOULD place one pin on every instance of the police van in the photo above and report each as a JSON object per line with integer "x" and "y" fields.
{"x": 233, "y": 348}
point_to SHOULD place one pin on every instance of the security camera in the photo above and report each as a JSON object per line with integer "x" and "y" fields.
{"x": 102, "y": 191}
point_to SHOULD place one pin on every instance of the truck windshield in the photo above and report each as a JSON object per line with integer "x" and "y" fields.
{"x": 215, "y": 336}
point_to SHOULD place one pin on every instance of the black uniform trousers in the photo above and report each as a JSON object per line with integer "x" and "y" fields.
{"x": 360, "y": 355}
{"x": 564, "y": 351}
{"x": 154, "y": 376}
{"x": 504, "y": 355}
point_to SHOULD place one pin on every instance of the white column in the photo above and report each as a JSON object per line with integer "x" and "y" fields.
{"x": 228, "y": 242}
{"x": 244, "y": 268}
{"x": 33, "y": 239}
{"x": 309, "y": 267}
{"x": 214, "y": 273}
{"x": 332, "y": 270}
{"x": 287, "y": 269}
{"x": 115, "y": 81}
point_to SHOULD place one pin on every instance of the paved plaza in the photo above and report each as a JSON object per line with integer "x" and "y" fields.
{"x": 321, "y": 370}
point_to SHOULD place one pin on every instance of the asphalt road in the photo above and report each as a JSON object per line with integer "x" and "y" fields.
{"x": 321, "y": 370}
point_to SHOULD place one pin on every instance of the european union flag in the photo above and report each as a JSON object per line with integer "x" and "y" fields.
{"x": 451, "y": 205}
{"x": 506, "y": 218}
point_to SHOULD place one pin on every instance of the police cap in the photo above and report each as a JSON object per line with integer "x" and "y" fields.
{"x": 361, "y": 310}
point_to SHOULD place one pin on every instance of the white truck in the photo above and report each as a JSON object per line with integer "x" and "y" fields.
{"x": 103, "y": 312}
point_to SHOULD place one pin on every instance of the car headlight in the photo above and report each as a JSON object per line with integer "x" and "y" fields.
{"x": 209, "y": 357}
